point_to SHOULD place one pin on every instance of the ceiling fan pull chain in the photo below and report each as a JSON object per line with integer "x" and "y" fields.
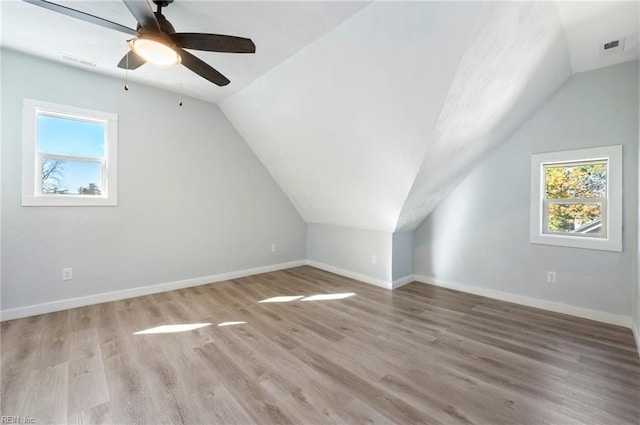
{"x": 181, "y": 95}
{"x": 126, "y": 72}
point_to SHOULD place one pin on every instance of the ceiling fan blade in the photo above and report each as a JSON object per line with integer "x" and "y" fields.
{"x": 131, "y": 61}
{"x": 213, "y": 42}
{"x": 141, "y": 10}
{"x": 82, "y": 16}
{"x": 202, "y": 69}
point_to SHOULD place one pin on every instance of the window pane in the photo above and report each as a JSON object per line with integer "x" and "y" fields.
{"x": 70, "y": 137}
{"x": 60, "y": 177}
{"x": 574, "y": 218}
{"x": 587, "y": 180}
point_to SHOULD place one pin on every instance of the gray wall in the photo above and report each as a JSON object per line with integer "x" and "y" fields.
{"x": 480, "y": 234}
{"x": 193, "y": 198}
{"x": 351, "y": 249}
{"x": 636, "y": 310}
{"x": 403, "y": 254}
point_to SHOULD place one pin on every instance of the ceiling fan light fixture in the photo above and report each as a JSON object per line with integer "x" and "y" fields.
{"x": 154, "y": 51}
{"x": 156, "y": 40}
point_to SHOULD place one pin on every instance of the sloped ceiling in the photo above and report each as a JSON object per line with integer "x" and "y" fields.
{"x": 375, "y": 122}
{"x": 345, "y": 124}
{"x": 366, "y": 113}
{"x": 516, "y": 59}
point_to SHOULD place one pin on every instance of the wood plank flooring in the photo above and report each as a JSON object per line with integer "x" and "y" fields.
{"x": 417, "y": 355}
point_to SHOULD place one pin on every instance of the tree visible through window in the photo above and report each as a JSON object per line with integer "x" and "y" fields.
{"x": 69, "y": 155}
{"x": 72, "y": 155}
{"x": 575, "y": 193}
{"x": 576, "y": 198}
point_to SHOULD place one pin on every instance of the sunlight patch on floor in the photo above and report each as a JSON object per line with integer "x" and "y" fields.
{"x": 326, "y": 297}
{"x": 230, "y": 323}
{"x": 317, "y": 297}
{"x": 169, "y": 329}
{"x": 282, "y": 299}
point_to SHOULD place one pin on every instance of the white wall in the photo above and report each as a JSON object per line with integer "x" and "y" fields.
{"x": 479, "y": 235}
{"x": 348, "y": 251}
{"x": 193, "y": 198}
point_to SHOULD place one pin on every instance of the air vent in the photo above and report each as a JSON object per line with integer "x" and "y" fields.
{"x": 612, "y": 47}
{"x": 76, "y": 60}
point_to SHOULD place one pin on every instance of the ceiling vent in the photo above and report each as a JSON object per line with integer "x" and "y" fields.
{"x": 76, "y": 60}
{"x": 612, "y": 47}
{"x": 628, "y": 45}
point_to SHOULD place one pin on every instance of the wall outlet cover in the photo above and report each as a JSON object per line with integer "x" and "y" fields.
{"x": 67, "y": 274}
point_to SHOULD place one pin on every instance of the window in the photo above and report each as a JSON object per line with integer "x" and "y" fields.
{"x": 576, "y": 198}
{"x": 68, "y": 155}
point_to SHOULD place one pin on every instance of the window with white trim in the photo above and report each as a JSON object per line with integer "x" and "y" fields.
{"x": 576, "y": 198}
{"x": 69, "y": 155}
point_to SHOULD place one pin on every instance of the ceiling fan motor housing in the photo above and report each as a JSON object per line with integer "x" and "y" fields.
{"x": 165, "y": 25}
{"x": 162, "y": 3}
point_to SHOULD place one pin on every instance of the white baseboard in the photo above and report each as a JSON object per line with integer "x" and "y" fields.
{"x": 361, "y": 277}
{"x": 600, "y": 316}
{"x": 353, "y": 275}
{"x": 636, "y": 335}
{"x": 403, "y": 281}
{"x": 33, "y": 310}
{"x": 50, "y": 307}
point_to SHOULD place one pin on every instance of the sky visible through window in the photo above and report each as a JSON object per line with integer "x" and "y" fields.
{"x": 67, "y": 136}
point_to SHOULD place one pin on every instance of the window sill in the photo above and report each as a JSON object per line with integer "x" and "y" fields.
{"x": 68, "y": 201}
{"x": 577, "y": 242}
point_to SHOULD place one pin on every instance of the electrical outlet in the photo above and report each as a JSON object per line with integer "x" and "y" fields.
{"x": 67, "y": 274}
{"x": 551, "y": 277}
{"x": 274, "y": 247}
{"x": 374, "y": 259}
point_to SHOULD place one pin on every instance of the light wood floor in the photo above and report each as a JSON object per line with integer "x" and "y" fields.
{"x": 418, "y": 355}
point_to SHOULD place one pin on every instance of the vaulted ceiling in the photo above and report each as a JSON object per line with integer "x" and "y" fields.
{"x": 366, "y": 114}
{"x": 375, "y": 122}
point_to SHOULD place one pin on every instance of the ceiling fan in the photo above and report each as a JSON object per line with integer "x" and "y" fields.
{"x": 157, "y": 42}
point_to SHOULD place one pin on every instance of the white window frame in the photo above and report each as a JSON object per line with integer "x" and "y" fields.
{"x": 32, "y": 158}
{"x": 610, "y": 237}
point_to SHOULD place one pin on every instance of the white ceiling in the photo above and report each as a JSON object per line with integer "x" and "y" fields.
{"x": 588, "y": 25}
{"x": 367, "y": 114}
{"x": 279, "y": 30}
{"x": 345, "y": 124}
{"x": 516, "y": 58}
{"x": 374, "y": 123}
